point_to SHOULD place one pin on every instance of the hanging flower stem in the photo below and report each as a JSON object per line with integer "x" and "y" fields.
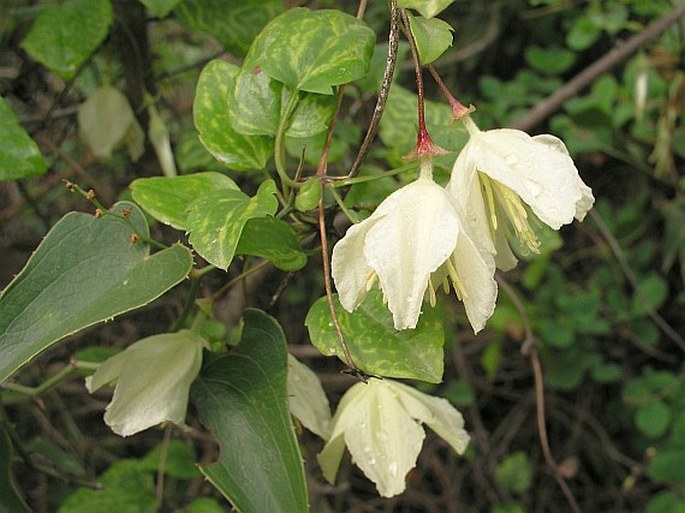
{"x": 458, "y": 109}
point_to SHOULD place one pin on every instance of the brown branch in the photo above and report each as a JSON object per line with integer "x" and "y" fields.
{"x": 619, "y": 53}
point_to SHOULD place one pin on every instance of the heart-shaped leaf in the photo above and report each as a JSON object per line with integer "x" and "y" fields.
{"x": 242, "y": 398}
{"x": 19, "y": 154}
{"x": 167, "y": 198}
{"x": 65, "y": 34}
{"x": 210, "y": 113}
{"x": 433, "y": 36}
{"x": 216, "y": 220}
{"x": 86, "y": 270}
{"x": 314, "y": 50}
{"x": 427, "y": 8}
{"x": 375, "y": 345}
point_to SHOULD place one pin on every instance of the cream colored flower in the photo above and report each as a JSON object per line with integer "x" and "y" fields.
{"x": 153, "y": 378}
{"x": 502, "y": 175}
{"x": 414, "y": 242}
{"x": 380, "y": 423}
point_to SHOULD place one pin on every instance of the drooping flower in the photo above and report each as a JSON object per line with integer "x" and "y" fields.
{"x": 153, "y": 378}
{"x": 503, "y": 175}
{"x": 380, "y": 423}
{"x": 414, "y": 242}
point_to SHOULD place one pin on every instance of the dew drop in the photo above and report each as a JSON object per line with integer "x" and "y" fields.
{"x": 392, "y": 468}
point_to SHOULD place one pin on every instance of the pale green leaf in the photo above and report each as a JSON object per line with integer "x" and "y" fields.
{"x": 375, "y": 345}
{"x": 242, "y": 398}
{"x": 65, "y": 34}
{"x": 19, "y": 154}
{"x": 328, "y": 48}
{"x": 160, "y": 7}
{"x": 216, "y": 220}
{"x": 433, "y": 37}
{"x": 427, "y": 8}
{"x": 210, "y": 114}
{"x": 307, "y": 400}
{"x": 85, "y": 271}
{"x": 167, "y": 199}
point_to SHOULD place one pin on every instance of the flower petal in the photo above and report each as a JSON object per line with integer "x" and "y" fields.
{"x": 436, "y": 412}
{"x": 543, "y": 175}
{"x": 307, "y": 400}
{"x": 348, "y": 264}
{"x": 417, "y": 233}
{"x": 475, "y": 269}
{"x": 108, "y": 372}
{"x": 155, "y": 381}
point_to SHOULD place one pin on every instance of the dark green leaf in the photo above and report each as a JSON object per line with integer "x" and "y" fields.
{"x": 514, "y": 473}
{"x": 327, "y": 48}
{"x": 167, "y": 198}
{"x": 651, "y": 294}
{"x": 216, "y": 220}
{"x": 126, "y": 488}
{"x": 179, "y": 462}
{"x": 668, "y": 465}
{"x": 65, "y": 34}
{"x": 273, "y": 239}
{"x": 376, "y": 347}
{"x": 85, "y": 271}
{"x": 234, "y": 23}
{"x": 242, "y": 398}
{"x": 653, "y": 418}
{"x": 549, "y": 60}
{"x": 433, "y": 37}
{"x": 210, "y": 113}
{"x": 19, "y": 154}
{"x": 10, "y": 499}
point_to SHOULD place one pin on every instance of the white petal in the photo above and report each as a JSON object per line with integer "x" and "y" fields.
{"x": 543, "y": 176}
{"x": 108, "y": 372}
{"x": 382, "y": 438}
{"x": 307, "y": 400}
{"x": 436, "y": 412}
{"x": 417, "y": 233}
{"x": 348, "y": 264}
{"x": 155, "y": 381}
{"x": 476, "y": 270}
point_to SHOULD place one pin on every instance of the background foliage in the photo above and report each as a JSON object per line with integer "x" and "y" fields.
{"x": 606, "y": 306}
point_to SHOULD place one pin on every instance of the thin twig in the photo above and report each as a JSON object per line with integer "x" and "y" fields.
{"x": 529, "y": 349}
{"x": 619, "y": 53}
{"x": 393, "y": 38}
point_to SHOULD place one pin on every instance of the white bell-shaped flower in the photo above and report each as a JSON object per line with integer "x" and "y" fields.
{"x": 414, "y": 242}
{"x": 153, "y": 378}
{"x": 380, "y": 423}
{"x": 502, "y": 175}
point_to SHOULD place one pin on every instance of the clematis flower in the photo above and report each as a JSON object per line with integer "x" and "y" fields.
{"x": 380, "y": 422}
{"x": 414, "y": 242}
{"x": 503, "y": 175}
{"x": 153, "y": 378}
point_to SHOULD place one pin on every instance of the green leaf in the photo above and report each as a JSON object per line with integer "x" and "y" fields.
{"x": 308, "y": 195}
{"x": 551, "y": 61}
{"x": 427, "y": 8}
{"x": 216, "y": 220}
{"x": 374, "y": 344}
{"x": 651, "y": 294}
{"x": 10, "y": 499}
{"x": 514, "y": 473}
{"x": 210, "y": 114}
{"x": 433, "y": 37}
{"x": 205, "y": 505}
{"x": 242, "y": 398}
{"x": 160, "y": 7}
{"x": 653, "y": 418}
{"x": 65, "y": 34}
{"x": 179, "y": 463}
{"x": 312, "y": 114}
{"x": 19, "y": 154}
{"x": 666, "y": 502}
{"x": 234, "y": 23}
{"x": 327, "y": 48}
{"x": 167, "y": 198}
{"x": 85, "y": 271}
{"x": 668, "y": 465}
{"x": 584, "y": 32}
{"x": 273, "y": 239}
{"x": 126, "y": 488}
